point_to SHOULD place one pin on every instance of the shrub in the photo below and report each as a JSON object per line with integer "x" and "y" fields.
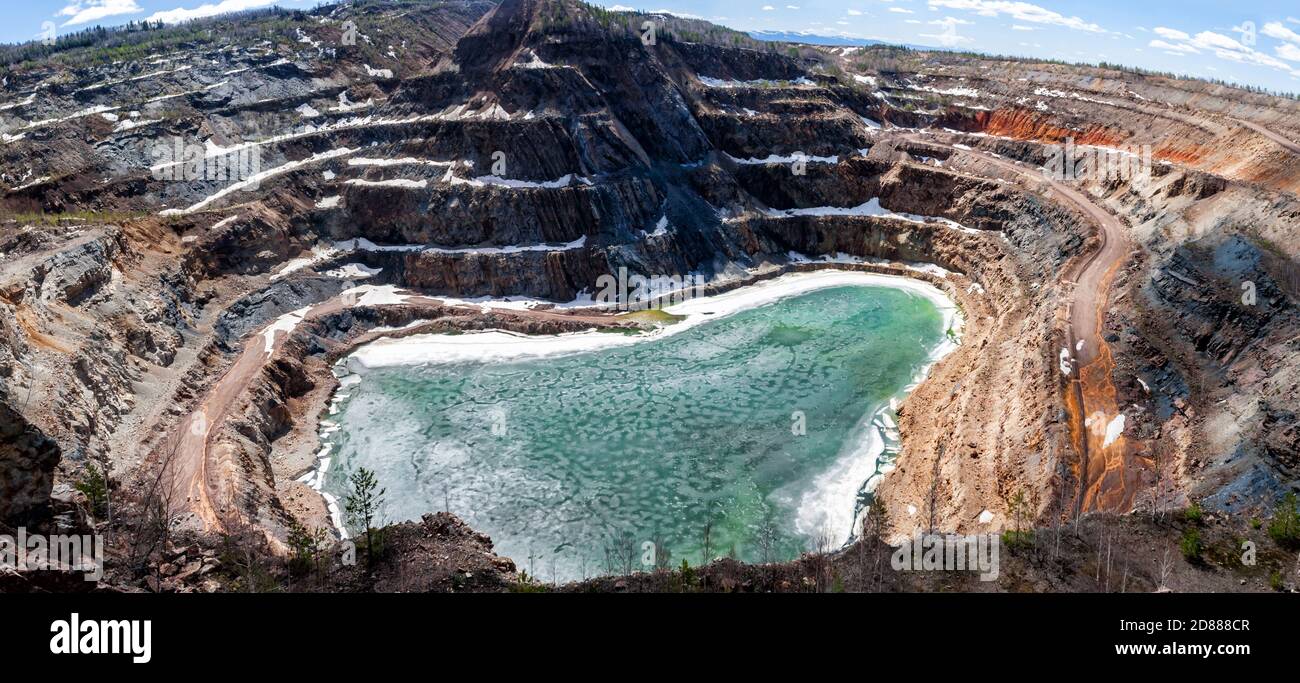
{"x": 1190, "y": 545}
{"x": 94, "y": 486}
{"x": 1285, "y": 527}
{"x": 305, "y": 547}
{"x": 528, "y": 584}
{"x": 1014, "y": 540}
{"x": 1193, "y": 513}
{"x": 687, "y": 575}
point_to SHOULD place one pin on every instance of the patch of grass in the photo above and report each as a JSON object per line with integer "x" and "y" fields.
{"x": 1194, "y": 513}
{"x": 528, "y": 584}
{"x": 652, "y": 316}
{"x": 1264, "y": 244}
{"x": 1014, "y": 540}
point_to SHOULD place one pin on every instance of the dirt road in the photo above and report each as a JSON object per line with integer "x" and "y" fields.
{"x": 1109, "y": 473}
{"x": 1275, "y": 137}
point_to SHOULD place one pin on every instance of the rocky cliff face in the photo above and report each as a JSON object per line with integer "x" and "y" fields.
{"x": 163, "y": 211}
{"x": 27, "y": 460}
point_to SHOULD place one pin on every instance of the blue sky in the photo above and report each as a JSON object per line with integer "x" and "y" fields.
{"x": 1246, "y": 41}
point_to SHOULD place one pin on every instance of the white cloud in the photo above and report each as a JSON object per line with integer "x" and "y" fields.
{"x": 621, "y": 8}
{"x": 1218, "y": 41}
{"x": 1171, "y": 33}
{"x": 1274, "y": 29}
{"x": 768, "y": 8}
{"x": 949, "y": 37}
{"x": 674, "y": 13}
{"x": 1021, "y": 11}
{"x": 900, "y": 10}
{"x": 176, "y": 16}
{"x": 855, "y": 13}
{"x": 1288, "y": 51}
{"x": 1179, "y": 47}
{"x": 1018, "y": 27}
{"x": 792, "y": 7}
{"x": 84, "y": 11}
{"x": 1221, "y": 46}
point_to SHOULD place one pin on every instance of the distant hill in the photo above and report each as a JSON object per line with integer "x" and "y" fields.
{"x": 816, "y": 39}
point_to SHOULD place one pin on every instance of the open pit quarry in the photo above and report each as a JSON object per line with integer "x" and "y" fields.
{"x": 198, "y": 222}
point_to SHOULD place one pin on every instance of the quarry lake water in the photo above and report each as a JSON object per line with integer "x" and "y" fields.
{"x": 760, "y": 422}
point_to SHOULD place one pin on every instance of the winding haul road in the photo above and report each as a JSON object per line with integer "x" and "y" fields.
{"x": 1110, "y": 471}
{"x": 1108, "y": 474}
{"x": 1275, "y": 137}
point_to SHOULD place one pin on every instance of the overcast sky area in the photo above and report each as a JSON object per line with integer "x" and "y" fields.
{"x": 1254, "y": 42}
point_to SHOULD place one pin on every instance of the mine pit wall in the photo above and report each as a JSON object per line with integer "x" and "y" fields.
{"x": 492, "y": 215}
{"x": 82, "y": 326}
{"x": 1223, "y": 373}
{"x": 812, "y": 135}
{"x": 1217, "y": 421}
{"x": 1214, "y": 146}
{"x": 64, "y": 393}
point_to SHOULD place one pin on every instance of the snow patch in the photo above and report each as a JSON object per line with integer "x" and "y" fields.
{"x": 375, "y": 295}
{"x": 21, "y": 103}
{"x": 757, "y": 83}
{"x": 481, "y": 181}
{"x": 404, "y": 161}
{"x": 257, "y": 178}
{"x": 285, "y": 323}
{"x": 345, "y": 105}
{"x": 788, "y": 159}
{"x": 405, "y": 183}
{"x": 353, "y": 271}
{"x": 1114, "y": 429}
{"x": 870, "y": 208}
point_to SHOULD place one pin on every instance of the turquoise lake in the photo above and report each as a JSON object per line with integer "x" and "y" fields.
{"x": 575, "y": 464}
